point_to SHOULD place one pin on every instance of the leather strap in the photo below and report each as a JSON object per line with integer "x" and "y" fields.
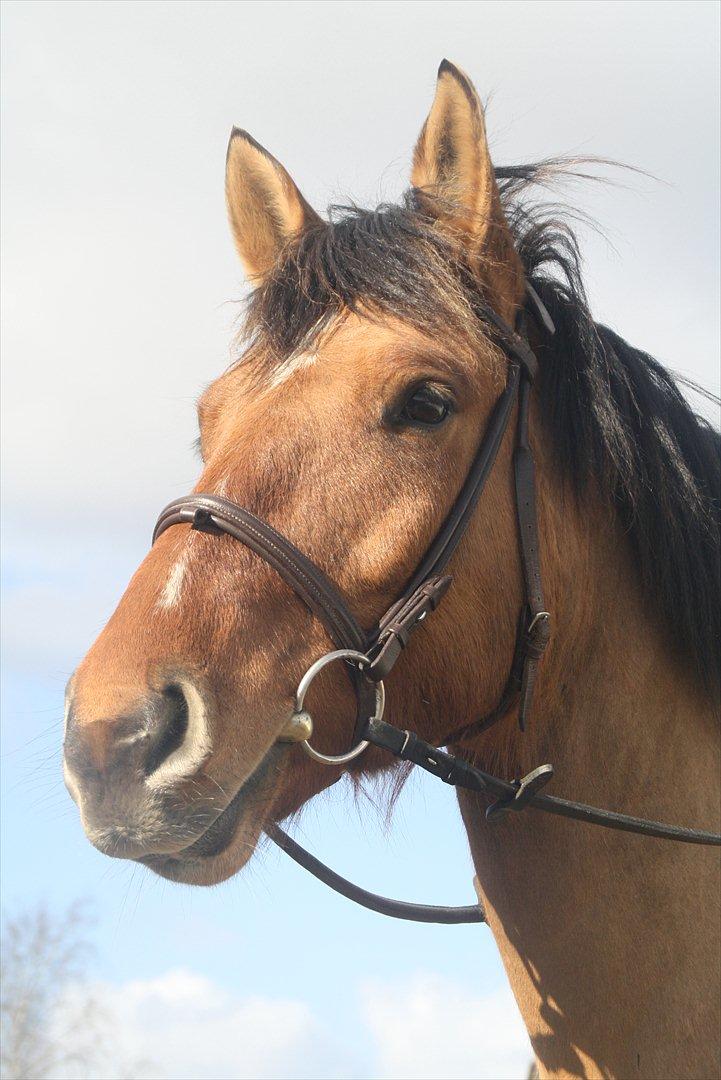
{"x": 396, "y": 909}
{"x": 517, "y": 794}
{"x": 507, "y": 797}
{"x": 407, "y": 617}
{"x": 533, "y": 632}
{"x": 213, "y": 514}
{"x": 537, "y": 630}
{"x": 451, "y": 532}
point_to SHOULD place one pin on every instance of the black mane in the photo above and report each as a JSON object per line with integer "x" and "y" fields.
{"x": 615, "y": 416}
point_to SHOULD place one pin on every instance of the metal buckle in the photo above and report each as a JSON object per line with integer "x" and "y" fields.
{"x": 303, "y": 720}
{"x": 525, "y": 790}
{"x": 536, "y": 619}
{"x": 408, "y": 617}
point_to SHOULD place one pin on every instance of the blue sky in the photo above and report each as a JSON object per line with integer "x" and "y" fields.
{"x": 120, "y": 284}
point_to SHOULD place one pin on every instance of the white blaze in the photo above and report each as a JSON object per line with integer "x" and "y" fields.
{"x": 289, "y": 367}
{"x": 174, "y": 585}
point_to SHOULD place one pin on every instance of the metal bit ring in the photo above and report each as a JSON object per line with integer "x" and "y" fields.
{"x": 358, "y": 658}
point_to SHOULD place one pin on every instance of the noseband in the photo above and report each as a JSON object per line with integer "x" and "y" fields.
{"x": 369, "y": 655}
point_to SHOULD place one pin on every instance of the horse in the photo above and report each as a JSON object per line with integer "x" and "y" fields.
{"x": 348, "y": 423}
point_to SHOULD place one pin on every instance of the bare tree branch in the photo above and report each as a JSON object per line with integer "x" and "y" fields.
{"x": 52, "y": 1024}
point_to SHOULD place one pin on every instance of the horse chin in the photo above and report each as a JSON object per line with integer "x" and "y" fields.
{"x": 228, "y": 844}
{"x": 190, "y": 868}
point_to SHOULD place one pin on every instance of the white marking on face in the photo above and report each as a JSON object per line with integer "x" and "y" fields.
{"x": 70, "y": 782}
{"x": 173, "y": 588}
{"x": 68, "y": 702}
{"x": 172, "y": 592}
{"x": 289, "y": 367}
{"x": 196, "y": 746}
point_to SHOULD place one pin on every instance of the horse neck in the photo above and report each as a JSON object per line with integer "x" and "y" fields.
{"x": 610, "y": 940}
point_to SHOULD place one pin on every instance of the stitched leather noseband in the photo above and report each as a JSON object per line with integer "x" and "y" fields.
{"x": 371, "y": 654}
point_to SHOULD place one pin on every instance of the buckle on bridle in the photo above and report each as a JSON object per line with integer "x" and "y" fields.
{"x": 538, "y": 634}
{"x": 394, "y": 636}
{"x": 525, "y": 790}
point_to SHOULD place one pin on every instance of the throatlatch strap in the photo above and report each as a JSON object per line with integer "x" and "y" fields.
{"x": 533, "y": 632}
{"x": 537, "y": 629}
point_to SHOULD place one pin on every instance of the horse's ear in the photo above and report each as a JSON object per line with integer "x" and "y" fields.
{"x": 451, "y": 162}
{"x": 265, "y": 208}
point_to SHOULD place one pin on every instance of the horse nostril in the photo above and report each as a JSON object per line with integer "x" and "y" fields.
{"x": 170, "y": 728}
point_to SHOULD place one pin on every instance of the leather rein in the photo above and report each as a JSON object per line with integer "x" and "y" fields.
{"x": 369, "y": 656}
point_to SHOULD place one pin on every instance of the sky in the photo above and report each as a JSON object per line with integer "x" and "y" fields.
{"x": 120, "y": 295}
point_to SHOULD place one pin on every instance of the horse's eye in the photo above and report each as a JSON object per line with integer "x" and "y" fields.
{"x": 426, "y": 407}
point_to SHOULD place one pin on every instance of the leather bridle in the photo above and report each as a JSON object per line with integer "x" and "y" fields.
{"x": 370, "y": 655}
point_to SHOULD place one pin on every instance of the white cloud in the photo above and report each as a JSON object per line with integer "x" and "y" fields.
{"x": 182, "y": 1025}
{"x": 427, "y": 1027}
